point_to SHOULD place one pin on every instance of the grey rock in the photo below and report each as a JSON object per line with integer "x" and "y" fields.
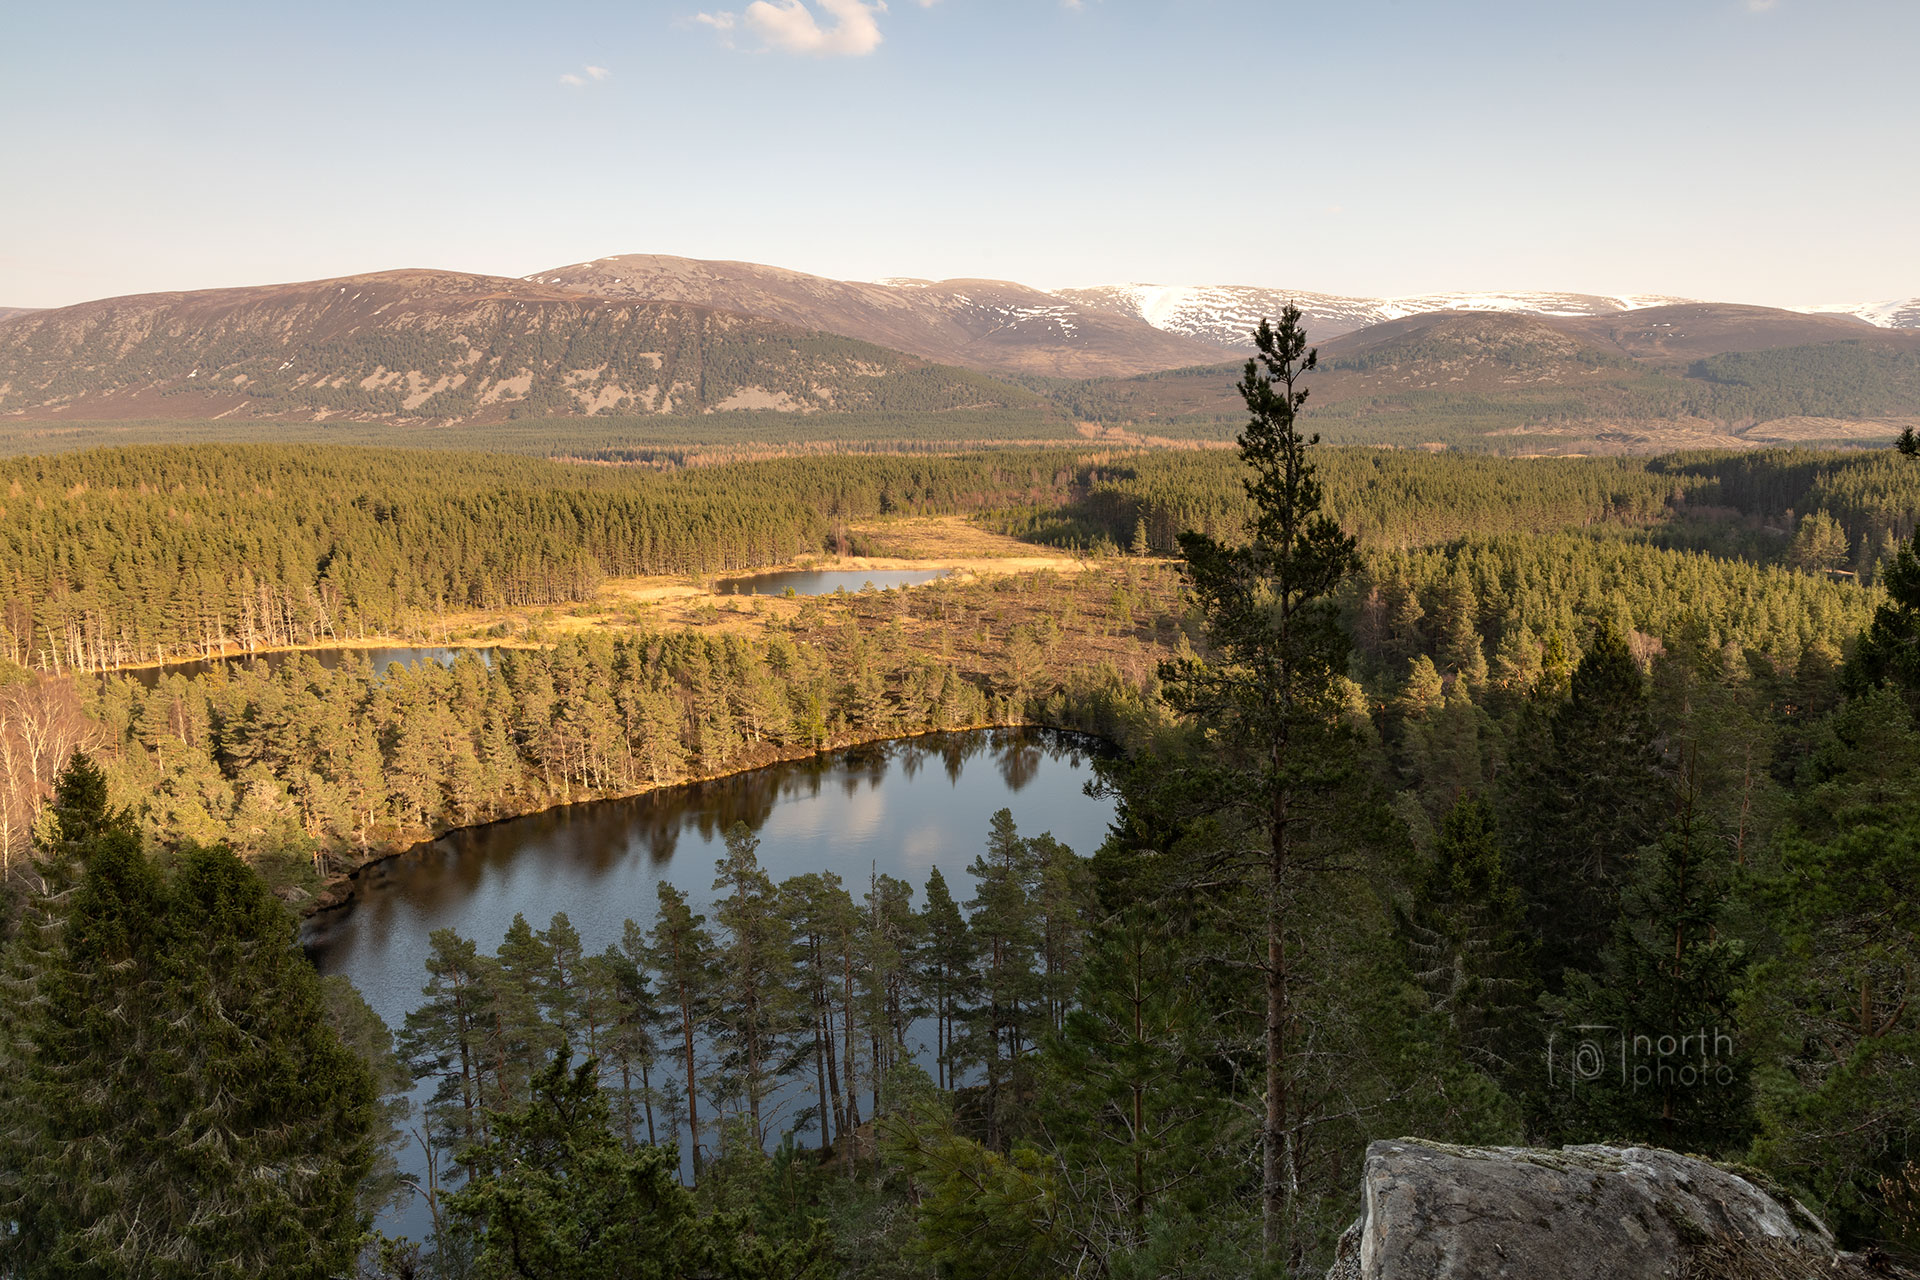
{"x": 1438, "y": 1212}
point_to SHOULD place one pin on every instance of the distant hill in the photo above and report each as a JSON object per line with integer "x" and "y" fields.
{"x": 7, "y": 313}
{"x": 990, "y": 325}
{"x": 445, "y": 346}
{"x": 1664, "y": 377}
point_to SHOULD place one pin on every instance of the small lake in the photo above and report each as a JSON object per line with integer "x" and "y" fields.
{"x": 824, "y": 582}
{"x": 331, "y": 659}
{"x": 897, "y": 808}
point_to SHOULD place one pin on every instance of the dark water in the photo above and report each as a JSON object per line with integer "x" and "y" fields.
{"x": 900, "y": 808}
{"x": 328, "y": 658}
{"x": 824, "y": 582}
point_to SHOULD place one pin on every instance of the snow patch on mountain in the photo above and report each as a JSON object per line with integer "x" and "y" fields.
{"x": 1228, "y": 314}
{"x": 1903, "y": 313}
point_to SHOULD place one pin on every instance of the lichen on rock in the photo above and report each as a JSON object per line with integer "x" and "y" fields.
{"x": 1438, "y": 1212}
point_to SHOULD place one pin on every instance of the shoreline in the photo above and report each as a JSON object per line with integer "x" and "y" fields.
{"x": 653, "y": 589}
{"x": 337, "y": 892}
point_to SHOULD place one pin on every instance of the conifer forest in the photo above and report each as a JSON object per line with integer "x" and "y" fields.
{"x": 1489, "y": 800}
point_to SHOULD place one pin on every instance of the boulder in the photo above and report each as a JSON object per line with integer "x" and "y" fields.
{"x": 1438, "y": 1212}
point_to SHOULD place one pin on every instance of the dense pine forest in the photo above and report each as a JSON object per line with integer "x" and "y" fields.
{"x": 1435, "y": 776}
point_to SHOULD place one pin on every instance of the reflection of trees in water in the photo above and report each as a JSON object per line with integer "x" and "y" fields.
{"x": 596, "y": 835}
{"x": 1019, "y": 756}
{"x": 712, "y": 807}
{"x": 958, "y": 748}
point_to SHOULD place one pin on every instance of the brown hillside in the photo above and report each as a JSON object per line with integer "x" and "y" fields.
{"x": 991, "y": 325}
{"x": 444, "y": 346}
{"x": 1694, "y": 330}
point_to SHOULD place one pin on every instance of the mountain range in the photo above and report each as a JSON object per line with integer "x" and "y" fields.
{"x": 642, "y": 335}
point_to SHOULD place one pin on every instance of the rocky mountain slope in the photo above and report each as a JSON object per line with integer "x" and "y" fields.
{"x": 990, "y": 325}
{"x": 446, "y": 346}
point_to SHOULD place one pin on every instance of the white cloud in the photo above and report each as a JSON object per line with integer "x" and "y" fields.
{"x": 791, "y": 26}
{"x": 598, "y": 73}
{"x": 579, "y": 79}
{"x": 1762, "y": 6}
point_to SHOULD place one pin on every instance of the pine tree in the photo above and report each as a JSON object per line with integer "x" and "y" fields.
{"x": 621, "y": 1004}
{"x": 1888, "y": 655}
{"x": 1838, "y": 1077}
{"x": 1667, "y": 988}
{"x": 1006, "y": 936}
{"x": 946, "y": 969}
{"x": 1131, "y": 1110}
{"x": 1587, "y": 791}
{"x": 818, "y": 908}
{"x": 682, "y": 952}
{"x": 1468, "y": 945}
{"x": 1060, "y": 893}
{"x": 556, "y": 1196}
{"x": 523, "y": 1038}
{"x": 176, "y": 1103}
{"x": 445, "y": 1038}
{"x": 1267, "y": 690}
{"x": 750, "y": 1015}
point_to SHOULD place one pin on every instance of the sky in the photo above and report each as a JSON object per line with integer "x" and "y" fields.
{"x": 1763, "y": 151}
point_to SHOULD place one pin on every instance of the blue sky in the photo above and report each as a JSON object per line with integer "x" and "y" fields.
{"x": 1744, "y": 150}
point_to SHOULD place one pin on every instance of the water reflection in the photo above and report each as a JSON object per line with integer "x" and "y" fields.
{"x": 874, "y": 808}
{"x": 824, "y": 582}
{"x": 329, "y": 659}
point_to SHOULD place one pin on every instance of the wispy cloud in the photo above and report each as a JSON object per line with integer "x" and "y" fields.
{"x": 792, "y": 27}
{"x": 1762, "y": 6}
{"x": 585, "y": 76}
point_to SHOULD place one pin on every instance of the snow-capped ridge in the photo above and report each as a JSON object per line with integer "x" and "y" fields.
{"x": 1227, "y": 314}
